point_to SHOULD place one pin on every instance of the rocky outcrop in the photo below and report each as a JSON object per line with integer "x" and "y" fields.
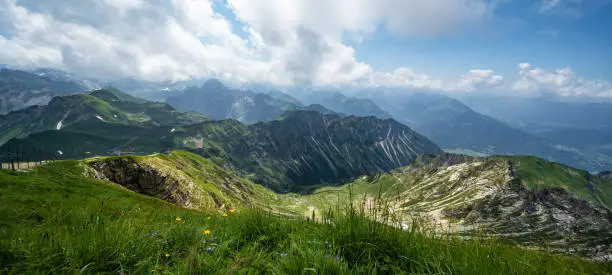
{"x": 144, "y": 179}
{"x": 181, "y": 178}
{"x": 551, "y": 218}
{"x": 490, "y": 197}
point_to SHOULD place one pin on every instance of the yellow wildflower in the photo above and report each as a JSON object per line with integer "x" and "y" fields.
{"x": 206, "y": 232}
{"x": 178, "y": 219}
{"x": 224, "y": 214}
{"x": 167, "y": 255}
{"x": 232, "y": 210}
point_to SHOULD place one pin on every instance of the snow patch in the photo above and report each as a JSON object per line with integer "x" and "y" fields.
{"x": 59, "y": 125}
{"x": 165, "y": 89}
{"x": 99, "y": 117}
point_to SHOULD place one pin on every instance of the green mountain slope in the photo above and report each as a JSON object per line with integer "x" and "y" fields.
{"x": 59, "y": 218}
{"x": 523, "y": 199}
{"x": 322, "y": 149}
{"x": 107, "y": 106}
{"x": 180, "y": 177}
{"x": 303, "y": 148}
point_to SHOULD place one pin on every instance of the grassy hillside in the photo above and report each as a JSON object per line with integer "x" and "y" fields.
{"x": 537, "y": 203}
{"x": 537, "y": 173}
{"x": 276, "y": 154}
{"x": 109, "y": 106}
{"x": 55, "y": 220}
{"x": 183, "y": 178}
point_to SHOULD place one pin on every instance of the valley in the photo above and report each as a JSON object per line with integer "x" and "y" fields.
{"x": 181, "y": 212}
{"x": 557, "y": 207}
{"x": 305, "y": 137}
{"x": 272, "y": 160}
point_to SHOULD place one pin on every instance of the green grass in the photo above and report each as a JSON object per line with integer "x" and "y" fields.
{"x": 54, "y": 220}
{"x": 537, "y": 173}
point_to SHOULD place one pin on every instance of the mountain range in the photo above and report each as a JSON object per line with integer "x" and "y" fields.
{"x": 240, "y": 149}
{"x": 576, "y": 140}
{"x": 107, "y": 106}
{"x": 324, "y": 149}
{"x": 19, "y": 89}
{"x": 456, "y": 127}
{"x": 584, "y": 126}
{"x": 527, "y": 200}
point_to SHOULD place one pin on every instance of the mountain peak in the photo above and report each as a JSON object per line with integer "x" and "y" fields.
{"x": 213, "y": 83}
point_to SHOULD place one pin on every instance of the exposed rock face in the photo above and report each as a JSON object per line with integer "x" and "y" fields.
{"x": 447, "y": 193}
{"x": 453, "y": 125}
{"x": 308, "y": 148}
{"x": 143, "y": 179}
{"x": 300, "y": 149}
{"x": 550, "y": 217}
{"x": 478, "y": 196}
{"x": 181, "y": 178}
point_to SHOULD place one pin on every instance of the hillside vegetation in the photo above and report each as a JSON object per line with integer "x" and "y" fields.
{"x": 56, "y": 219}
{"x": 276, "y": 154}
{"x": 96, "y": 109}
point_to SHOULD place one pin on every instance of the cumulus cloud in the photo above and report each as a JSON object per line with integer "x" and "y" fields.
{"x": 562, "y": 82}
{"x": 281, "y": 42}
{"x": 573, "y": 8}
{"x": 475, "y": 79}
{"x": 152, "y": 40}
{"x": 280, "y": 27}
{"x": 286, "y": 42}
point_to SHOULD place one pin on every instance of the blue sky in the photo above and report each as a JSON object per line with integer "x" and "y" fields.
{"x": 520, "y": 34}
{"x": 518, "y": 46}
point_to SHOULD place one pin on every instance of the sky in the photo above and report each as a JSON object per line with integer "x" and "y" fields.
{"x": 516, "y": 47}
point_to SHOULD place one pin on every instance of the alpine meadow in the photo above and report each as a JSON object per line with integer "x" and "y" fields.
{"x": 305, "y": 137}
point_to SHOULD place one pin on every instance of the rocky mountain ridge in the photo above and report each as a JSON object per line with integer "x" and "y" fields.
{"x": 447, "y": 194}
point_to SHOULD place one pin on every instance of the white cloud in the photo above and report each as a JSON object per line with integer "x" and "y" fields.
{"x": 288, "y": 41}
{"x": 573, "y": 8}
{"x": 562, "y": 82}
{"x": 151, "y": 40}
{"x": 549, "y": 5}
{"x": 404, "y": 77}
{"x": 125, "y": 4}
{"x": 475, "y": 79}
{"x": 425, "y": 18}
{"x": 305, "y": 36}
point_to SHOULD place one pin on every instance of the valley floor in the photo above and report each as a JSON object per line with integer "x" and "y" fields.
{"x": 55, "y": 220}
